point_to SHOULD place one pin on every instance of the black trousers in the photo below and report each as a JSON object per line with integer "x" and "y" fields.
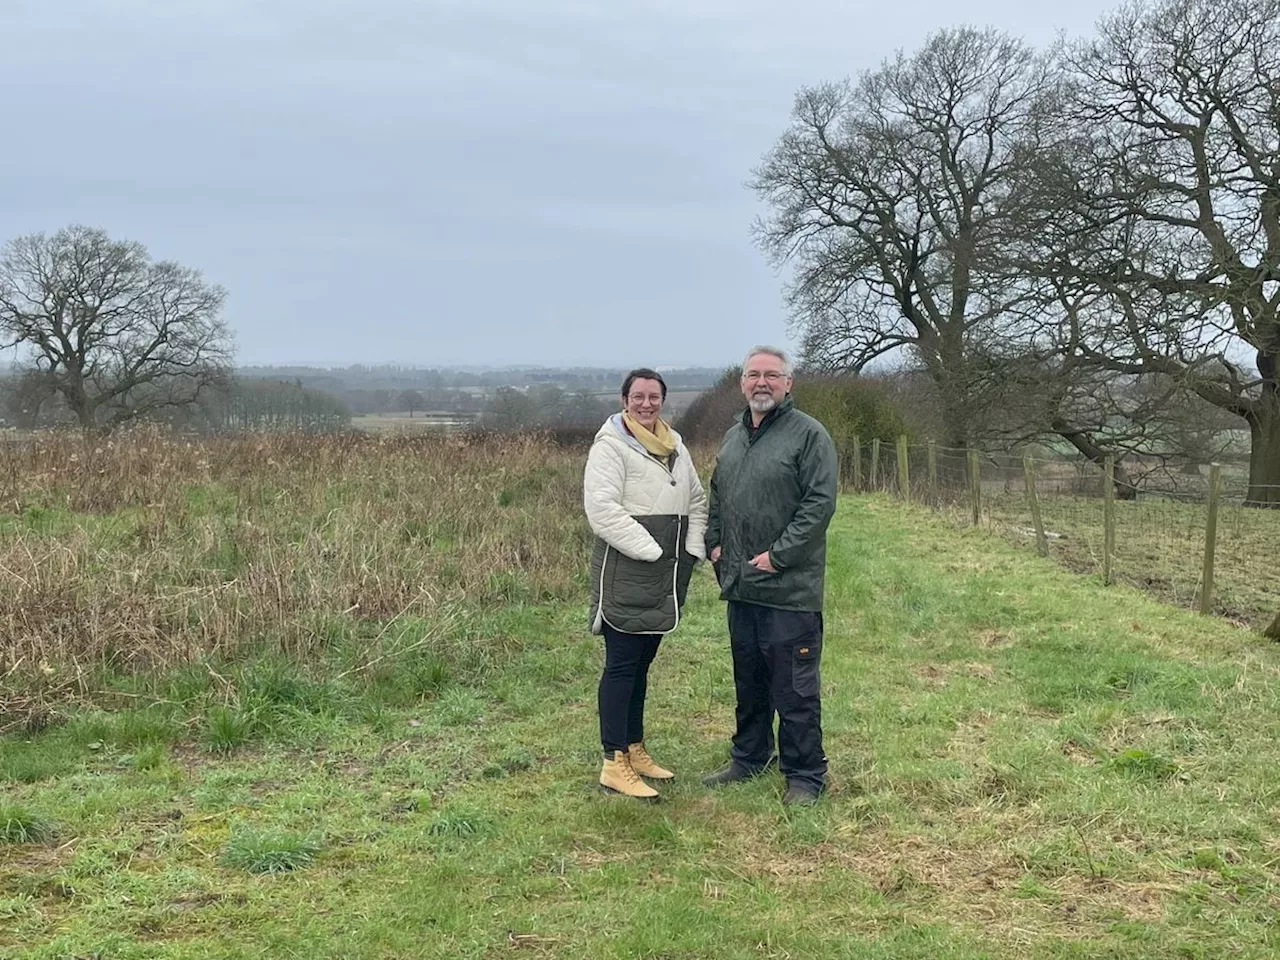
{"x": 623, "y": 686}
{"x": 776, "y": 656}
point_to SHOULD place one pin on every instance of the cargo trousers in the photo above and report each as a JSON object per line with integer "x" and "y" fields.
{"x": 776, "y": 670}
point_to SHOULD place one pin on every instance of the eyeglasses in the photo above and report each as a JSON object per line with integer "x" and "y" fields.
{"x": 773, "y": 376}
{"x": 640, "y": 398}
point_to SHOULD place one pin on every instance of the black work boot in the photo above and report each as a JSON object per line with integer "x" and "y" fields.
{"x": 799, "y": 795}
{"x": 734, "y": 773}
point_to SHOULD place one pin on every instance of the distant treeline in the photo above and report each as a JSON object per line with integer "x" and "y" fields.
{"x": 397, "y": 389}
{"x": 313, "y": 399}
{"x": 238, "y": 405}
{"x": 545, "y": 408}
{"x": 254, "y": 404}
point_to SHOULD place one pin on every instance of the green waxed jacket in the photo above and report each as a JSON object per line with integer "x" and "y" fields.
{"x": 774, "y": 489}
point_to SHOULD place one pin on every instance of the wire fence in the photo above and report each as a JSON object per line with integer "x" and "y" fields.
{"x": 1192, "y": 536}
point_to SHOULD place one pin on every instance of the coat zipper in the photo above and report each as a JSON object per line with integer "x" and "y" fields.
{"x": 675, "y": 573}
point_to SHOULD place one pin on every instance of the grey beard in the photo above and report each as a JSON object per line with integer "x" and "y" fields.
{"x": 762, "y": 403}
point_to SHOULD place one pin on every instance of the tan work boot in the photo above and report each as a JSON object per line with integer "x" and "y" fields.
{"x": 643, "y": 764}
{"x": 616, "y": 776}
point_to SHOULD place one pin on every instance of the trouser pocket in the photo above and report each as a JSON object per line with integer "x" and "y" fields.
{"x": 806, "y": 679}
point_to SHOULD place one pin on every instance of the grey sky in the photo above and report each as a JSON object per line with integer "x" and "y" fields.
{"x": 443, "y": 181}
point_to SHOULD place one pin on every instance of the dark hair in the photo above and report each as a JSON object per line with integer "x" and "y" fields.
{"x": 643, "y": 373}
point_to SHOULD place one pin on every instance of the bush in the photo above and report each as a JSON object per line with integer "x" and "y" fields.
{"x": 847, "y": 406}
{"x": 850, "y": 407}
{"x": 713, "y": 411}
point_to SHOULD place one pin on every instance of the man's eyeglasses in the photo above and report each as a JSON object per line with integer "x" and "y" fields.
{"x": 773, "y": 376}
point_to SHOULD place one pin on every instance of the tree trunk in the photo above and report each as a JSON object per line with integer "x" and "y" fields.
{"x": 1264, "y": 451}
{"x": 1125, "y": 488}
{"x": 1273, "y": 632}
{"x": 83, "y": 409}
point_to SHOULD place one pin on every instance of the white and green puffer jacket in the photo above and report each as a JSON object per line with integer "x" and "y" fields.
{"x": 649, "y": 516}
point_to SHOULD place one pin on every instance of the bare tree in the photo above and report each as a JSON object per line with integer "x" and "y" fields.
{"x": 115, "y": 334}
{"x": 1166, "y": 221}
{"x": 890, "y": 196}
{"x": 25, "y": 396}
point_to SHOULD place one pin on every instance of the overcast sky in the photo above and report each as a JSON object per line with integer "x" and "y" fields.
{"x": 436, "y": 182}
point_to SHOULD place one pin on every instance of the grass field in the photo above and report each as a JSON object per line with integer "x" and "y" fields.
{"x": 1024, "y": 763}
{"x": 1160, "y": 536}
{"x": 1159, "y": 547}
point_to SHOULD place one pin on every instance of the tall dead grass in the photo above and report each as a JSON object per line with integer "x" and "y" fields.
{"x": 147, "y": 550}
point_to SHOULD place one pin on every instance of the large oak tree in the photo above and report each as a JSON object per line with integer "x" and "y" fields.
{"x": 113, "y": 333}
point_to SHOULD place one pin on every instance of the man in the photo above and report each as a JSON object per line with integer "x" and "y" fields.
{"x": 773, "y": 492}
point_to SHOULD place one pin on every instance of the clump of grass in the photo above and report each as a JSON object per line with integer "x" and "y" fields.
{"x": 401, "y": 681}
{"x": 380, "y": 719}
{"x": 35, "y": 760}
{"x": 20, "y": 825}
{"x": 1147, "y": 766}
{"x": 227, "y": 730}
{"x": 459, "y": 822}
{"x": 516, "y": 759}
{"x": 132, "y": 728}
{"x": 512, "y": 760}
{"x": 13, "y": 908}
{"x": 1208, "y": 859}
{"x": 149, "y": 757}
{"x": 457, "y": 707}
{"x": 269, "y": 851}
{"x": 278, "y": 686}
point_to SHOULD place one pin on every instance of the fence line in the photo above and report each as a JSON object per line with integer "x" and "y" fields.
{"x": 1192, "y": 537}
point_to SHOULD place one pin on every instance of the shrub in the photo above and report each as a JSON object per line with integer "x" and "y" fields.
{"x": 713, "y": 411}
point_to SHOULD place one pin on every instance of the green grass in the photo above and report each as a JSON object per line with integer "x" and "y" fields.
{"x": 1023, "y": 764}
{"x": 20, "y": 825}
{"x": 226, "y": 729}
{"x": 269, "y": 851}
{"x": 1159, "y": 546}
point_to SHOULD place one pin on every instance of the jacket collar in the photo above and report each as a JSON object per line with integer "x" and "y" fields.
{"x": 783, "y": 407}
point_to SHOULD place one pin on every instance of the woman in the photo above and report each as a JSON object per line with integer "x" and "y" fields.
{"x": 646, "y": 506}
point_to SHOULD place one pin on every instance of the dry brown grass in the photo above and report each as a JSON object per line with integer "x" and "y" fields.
{"x": 148, "y": 550}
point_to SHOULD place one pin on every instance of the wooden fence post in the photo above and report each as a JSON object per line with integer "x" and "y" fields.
{"x": 933, "y": 473}
{"x": 875, "y": 464}
{"x": 1108, "y": 516}
{"x": 975, "y": 486}
{"x": 857, "y": 465}
{"x": 904, "y": 468}
{"x": 1210, "y": 537}
{"x": 1042, "y": 541}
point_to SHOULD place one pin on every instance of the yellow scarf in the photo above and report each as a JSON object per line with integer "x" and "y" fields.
{"x": 658, "y": 441}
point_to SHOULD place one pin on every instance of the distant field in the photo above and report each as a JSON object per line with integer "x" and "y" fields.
{"x": 677, "y": 402}
{"x": 403, "y": 423}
